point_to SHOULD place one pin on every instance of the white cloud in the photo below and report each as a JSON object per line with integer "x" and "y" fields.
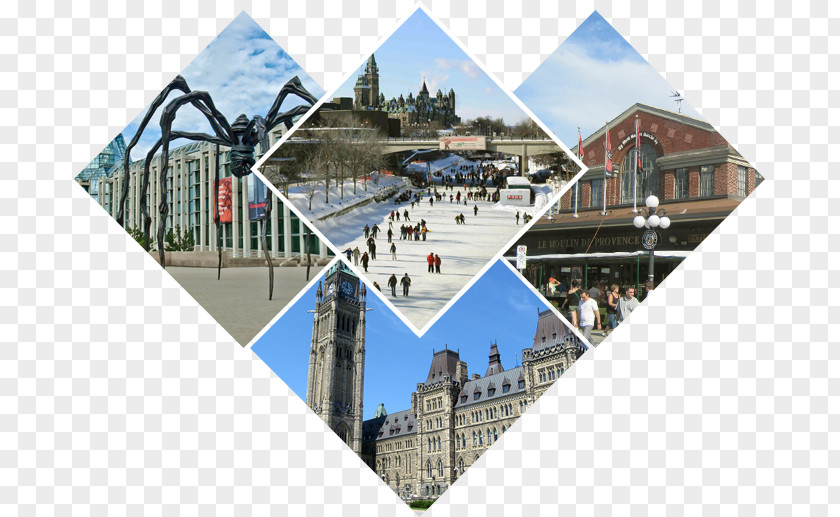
{"x": 573, "y": 89}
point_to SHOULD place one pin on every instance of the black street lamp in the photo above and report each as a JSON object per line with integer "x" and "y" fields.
{"x": 651, "y": 218}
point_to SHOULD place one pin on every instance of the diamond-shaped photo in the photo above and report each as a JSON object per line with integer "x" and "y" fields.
{"x": 178, "y": 179}
{"x": 420, "y": 411}
{"x": 420, "y": 168}
{"x": 660, "y": 179}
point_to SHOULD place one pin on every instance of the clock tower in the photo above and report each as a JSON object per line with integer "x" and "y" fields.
{"x": 335, "y": 382}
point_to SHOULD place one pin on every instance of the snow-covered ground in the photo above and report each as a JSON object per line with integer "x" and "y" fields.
{"x": 463, "y": 249}
{"x": 299, "y": 195}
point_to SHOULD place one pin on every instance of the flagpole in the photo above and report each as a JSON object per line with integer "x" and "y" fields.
{"x": 636, "y": 173}
{"x": 606, "y": 157}
{"x": 577, "y": 183}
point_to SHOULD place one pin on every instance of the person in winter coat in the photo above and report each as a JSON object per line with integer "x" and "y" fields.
{"x": 517, "y": 217}
{"x": 393, "y": 251}
{"x": 406, "y": 283}
{"x": 390, "y": 234}
{"x": 372, "y": 248}
{"x": 367, "y": 231}
{"x": 430, "y": 261}
{"x": 376, "y": 285}
{"x": 348, "y": 253}
{"x": 365, "y": 260}
{"x": 374, "y": 231}
{"x": 437, "y": 263}
{"x": 417, "y": 232}
{"x": 475, "y": 209}
{"x": 423, "y": 232}
{"x": 392, "y": 283}
{"x": 405, "y": 214}
{"x": 356, "y": 254}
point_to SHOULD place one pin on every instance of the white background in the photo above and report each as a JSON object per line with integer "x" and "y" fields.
{"x": 119, "y": 395}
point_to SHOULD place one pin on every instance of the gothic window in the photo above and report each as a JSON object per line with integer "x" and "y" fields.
{"x": 438, "y": 444}
{"x": 504, "y": 429}
{"x": 489, "y": 436}
{"x": 495, "y": 434}
{"x": 440, "y": 468}
{"x": 461, "y": 465}
{"x": 707, "y": 180}
{"x": 429, "y": 469}
{"x": 475, "y": 439}
{"x": 520, "y": 407}
{"x": 481, "y": 438}
{"x": 398, "y": 480}
{"x": 648, "y": 172}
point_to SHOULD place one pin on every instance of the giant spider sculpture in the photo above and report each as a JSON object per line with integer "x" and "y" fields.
{"x": 242, "y": 137}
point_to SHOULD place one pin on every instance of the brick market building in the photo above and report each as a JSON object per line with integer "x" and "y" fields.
{"x": 697, "y": 175}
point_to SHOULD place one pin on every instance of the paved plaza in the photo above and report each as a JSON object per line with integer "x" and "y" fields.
{"x": 239, "y": 301}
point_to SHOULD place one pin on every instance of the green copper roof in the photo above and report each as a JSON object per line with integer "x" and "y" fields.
{"x": 380, "y": 411}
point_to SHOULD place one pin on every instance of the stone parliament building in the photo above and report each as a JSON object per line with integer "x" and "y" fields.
{"x": 453, "y": 417}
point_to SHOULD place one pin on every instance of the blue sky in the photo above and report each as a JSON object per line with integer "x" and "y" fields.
{"x": 243, "y": 69}
{"x": 498, "y": 308}
{"x": 591, "y": 78}
{"x": 420, "y": 48}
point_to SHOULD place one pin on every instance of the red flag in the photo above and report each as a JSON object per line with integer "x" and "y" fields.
{"x": 638, "y": 144}
{"x": 608, "y": 165}
{"x": 580, "y": 146}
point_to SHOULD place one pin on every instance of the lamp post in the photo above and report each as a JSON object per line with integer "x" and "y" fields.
{"x": 651, "y": 218}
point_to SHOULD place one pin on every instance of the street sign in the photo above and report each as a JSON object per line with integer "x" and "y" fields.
{"x": 521, "y": 255}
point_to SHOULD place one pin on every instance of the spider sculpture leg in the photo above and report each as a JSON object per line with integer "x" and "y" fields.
{"x": 266, "y": 218}
{"x": 219, "y": 124}
{"x": 178, "y": 84}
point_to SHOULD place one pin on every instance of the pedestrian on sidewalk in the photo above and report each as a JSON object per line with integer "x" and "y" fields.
{"x": 517, "y": 217}
{"x": 406, "y": 283}
{"x": 392, "y": 283}
{"x": 588, "y": 315}
{"x": 627, "y": 303}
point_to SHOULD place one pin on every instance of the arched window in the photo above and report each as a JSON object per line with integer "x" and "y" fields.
{"x": 438, "y": 443}
{"x": 480, "y": 438}
{"x": 489, "y": 436}
{"x": 398, "y": 480}
{"x": 649, "y": 171}
{"x": 429, "y": 469}
{"x": 504, "y": 429}
{"x": 440, "y": 468}
{"x": 475, "y": 439}
{"x": 495, "y": 434}
{"x": 461, "y": 465}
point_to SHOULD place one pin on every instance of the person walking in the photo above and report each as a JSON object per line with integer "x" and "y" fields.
{"x": 424, "y": 231}
{"x": 588, "y": 315}
{"x": 431, "y": 201}
{"x": 372, "y": 247}
{"x": 365, "y": 261}
{"x": 612, "y": 306}
{"x": 475, "y": 210}
{"x": 417, "y": 232}
{"x": 430, "y": 261}
{"x": 627, "y": 303}
{"x": 573, "y": 300}
{"x": 367, "y": 231}
{"x": 517, "y": 217}
{"x": 374, "y": 231}
{"x": 376, "y": 285}
{"x": 437, "y": 263}
{"x": 348, "y": 253}
{"x": 392, "y": 283}
{"x": 397, "y": 214}
{"x": 393, "y": 251}
{"x": 356, "y": 254}
{"x": 405, "y": 214}
{"x": 406, "y": 283}
{"x": 390, "y": 234}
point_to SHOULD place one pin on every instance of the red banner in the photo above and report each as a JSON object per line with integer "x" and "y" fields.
{"x": 225, "y": 200}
